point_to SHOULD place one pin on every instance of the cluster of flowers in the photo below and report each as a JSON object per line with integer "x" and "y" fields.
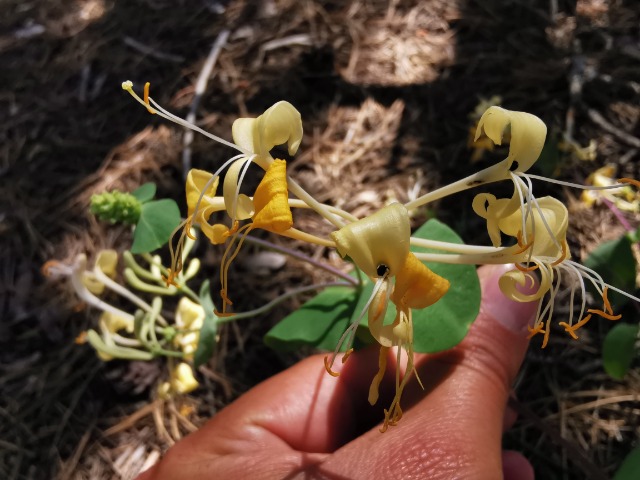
{"x": 379, "y": 244}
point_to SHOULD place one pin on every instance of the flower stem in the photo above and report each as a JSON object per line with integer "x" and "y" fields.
{"x": 303, "y": 257}
{"x": 291, "y": 293}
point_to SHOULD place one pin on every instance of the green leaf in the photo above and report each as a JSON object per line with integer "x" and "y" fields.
{"x": 145, "y": 192}
{"x": 207, "y": 339}
{"x": 319, "y": 322}
{"x": 322, "y": 320}
{"x": 630, "y": 468}
{"x": 614, "y": 260}
{"x": 443, "y": 325}
{"x": 618, "y": 349}
{"x": 157, "y": 220}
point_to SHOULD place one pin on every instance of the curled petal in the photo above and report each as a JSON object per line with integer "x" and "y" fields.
{"x": 196, "y": 181}
{"x": 240, "y": 207}
{"x": 493, "y": 210}
{"x": 271, "y": 200}
{"x": 417, "y": 286}
{"x": 379, "y": 239}
{"x": 107, "y": 261}
{"x": 114, "y": 323}
{"x": 550, "y": 235}
{"x": 510, "y": 281}
{"x": 527, "y": 131}
{"x": 279, "y": 124}
{"x": 217, "y": 233}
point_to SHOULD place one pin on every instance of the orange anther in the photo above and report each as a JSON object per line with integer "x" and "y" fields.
{"x": 563, "y": 256}
{"x": 526, "y": 269}
{"x": 571, "y": 329}
{"x": 81, "y": 338}
{"x": 546, "y": 336}
{"x": 346, "y": 355}
{"x": 631, "y": 181}
{"x": 535, "y": 330}
{"x": 225, "y": 299}
{"x": 187, "y": 229}
{"x": 523, "y": 247}
{"x": 146, "y": 98}
{"x": 605, "y": 299}
{"x": 46, "y": 268}
{"x": 327, "y": 367}
{"x": 232, "y": 230}
{"x": 604, "y": 314}
{"x": 171, "y": 278}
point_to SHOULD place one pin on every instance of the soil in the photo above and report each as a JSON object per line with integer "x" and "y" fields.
{"x": 400, "y": 78}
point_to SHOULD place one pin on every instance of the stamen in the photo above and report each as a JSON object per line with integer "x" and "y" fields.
{"x": 146, "y": 98}
{"x": 535, "y": 330}
{"x": 346, "y": 355}
{"x": 526, "y": 269}
{"x": 571, "y": 329}
{"x": 605, "y": 314}
{"x": 607, "y": 305}
{"x": 631, "y": 181}
{"x": 523, "y": 247}
{"x": 547, "y": 331}
{"x": 349, "y": 333}
{"x": 176, "y": 254}
{"x": 327, "y": 367}
{"x": 563, "y": 256}
{"x": 226, "y": 262}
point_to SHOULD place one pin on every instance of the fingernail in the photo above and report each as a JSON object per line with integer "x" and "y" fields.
{"x": 514, "y": 316}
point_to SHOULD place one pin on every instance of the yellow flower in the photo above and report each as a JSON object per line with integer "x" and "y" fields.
{"x": 622, "y": 197}
{"x": 189, "y": 316}
{"x": 113, "y": 323}
{"x": 106, "y": 261}
{"x": 181, "y": 381}
{"x": 279, "y": 124}
{"x": 540, "y": 233}
{"x": 379, "y": 246}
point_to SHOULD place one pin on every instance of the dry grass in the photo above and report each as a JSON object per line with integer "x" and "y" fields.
{"x": 385, "y": 89}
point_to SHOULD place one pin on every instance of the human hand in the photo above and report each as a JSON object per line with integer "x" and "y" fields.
{"x": 305, "y": 423}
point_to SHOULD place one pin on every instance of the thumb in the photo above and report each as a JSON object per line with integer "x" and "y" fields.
{"x": 457, "y": 425}
{"x": 471, "y": 383}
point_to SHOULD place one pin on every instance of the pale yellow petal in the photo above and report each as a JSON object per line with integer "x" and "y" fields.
{"x": 527, "y": 133}
{"x": 196, "y": 181}
{"x": 279, "y": 124}
{"x": 510, "y": 281}
{"x": 182, "y": 379}
{"x": 243, "y": 204}
{"x": 381, "y": 239}
{"x": 189, "y": 315}
{"x": 107, "y": 261}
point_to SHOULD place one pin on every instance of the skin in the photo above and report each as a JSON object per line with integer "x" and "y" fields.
{"x": 303, "y": 423}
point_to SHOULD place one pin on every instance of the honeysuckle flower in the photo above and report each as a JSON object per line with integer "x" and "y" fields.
{"x": 189, "y": 316}
{"x": 278, "y": 125}
{"x": 379, "y": 246}
{"x": 539, "y": 230}
{"x": 106, "y": 261}
{"x": 181, "y": 381}
{"x": 268, "y": 210}
{"x": 624, "y": 197}
{"x": 526, "y": 134}
{"x": 114, "y": 323}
